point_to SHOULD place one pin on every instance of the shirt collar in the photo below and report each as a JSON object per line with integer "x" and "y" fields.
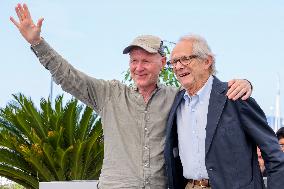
{"x": 204, "y": 91}
{"x": 135, "y": 88}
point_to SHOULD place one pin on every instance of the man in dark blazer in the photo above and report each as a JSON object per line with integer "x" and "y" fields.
{"x": 220, "y": 152}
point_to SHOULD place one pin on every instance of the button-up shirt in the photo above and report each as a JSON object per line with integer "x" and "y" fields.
{"x": 191, "y": 124}
{"x": 134, "y": 131}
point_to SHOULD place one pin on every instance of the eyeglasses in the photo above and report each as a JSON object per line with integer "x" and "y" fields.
{"x": 184, "y": 60}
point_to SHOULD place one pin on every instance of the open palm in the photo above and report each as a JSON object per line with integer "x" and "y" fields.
{"x": 26, "y": 26}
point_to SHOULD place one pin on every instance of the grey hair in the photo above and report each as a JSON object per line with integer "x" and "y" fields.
{"x": 201, "y": 48}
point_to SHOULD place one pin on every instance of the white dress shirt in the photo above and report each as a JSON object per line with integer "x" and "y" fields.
{"x": 191, "y": 124}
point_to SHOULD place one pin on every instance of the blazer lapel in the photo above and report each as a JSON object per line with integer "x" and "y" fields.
{"x": 172, "y": 113}
{"x": 216, "y": 105}
{"x": 175, "y": 105}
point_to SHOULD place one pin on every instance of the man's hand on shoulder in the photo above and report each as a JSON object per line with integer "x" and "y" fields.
{"x": 239, "y": 88}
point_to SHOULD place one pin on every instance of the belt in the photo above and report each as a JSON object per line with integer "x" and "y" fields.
{"x": 202, "y": 182}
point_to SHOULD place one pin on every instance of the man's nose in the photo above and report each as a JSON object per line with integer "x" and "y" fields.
{"x": 140, "y": 66}
{"x": 179, "y": 65}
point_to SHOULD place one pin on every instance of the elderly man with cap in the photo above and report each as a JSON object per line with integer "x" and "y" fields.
{"x": 133, "y": 118}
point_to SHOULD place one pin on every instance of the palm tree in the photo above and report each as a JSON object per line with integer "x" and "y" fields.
{"x": 50, "y": 144}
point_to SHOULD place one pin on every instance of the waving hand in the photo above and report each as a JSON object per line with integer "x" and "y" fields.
{"x": 26, "y": 26}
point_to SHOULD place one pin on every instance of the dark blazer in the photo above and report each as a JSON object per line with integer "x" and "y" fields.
{"x": 233, "y": 130}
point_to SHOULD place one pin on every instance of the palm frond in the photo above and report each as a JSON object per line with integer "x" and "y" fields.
{"x": 48, "y": 144}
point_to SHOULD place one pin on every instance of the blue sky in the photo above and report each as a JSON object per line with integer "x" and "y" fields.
{"x": 246, "y": 36}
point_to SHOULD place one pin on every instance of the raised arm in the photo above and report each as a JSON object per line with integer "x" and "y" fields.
{"x": 91, "y": 91}
{"x": 26, "y": 26}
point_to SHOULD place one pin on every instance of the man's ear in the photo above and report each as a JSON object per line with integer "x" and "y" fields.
{"x": 164, "y": 61}
{"x": 208, "y": 62}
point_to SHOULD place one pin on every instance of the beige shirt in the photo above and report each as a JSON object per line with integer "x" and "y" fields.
{"x": 134, "y": 132}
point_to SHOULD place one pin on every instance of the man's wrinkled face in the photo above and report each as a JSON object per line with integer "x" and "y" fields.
{"x": 145, "y": 67}
{"x": 189, "y": 68}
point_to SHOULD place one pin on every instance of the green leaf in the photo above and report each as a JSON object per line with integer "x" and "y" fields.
{"x": 47, "y": 144}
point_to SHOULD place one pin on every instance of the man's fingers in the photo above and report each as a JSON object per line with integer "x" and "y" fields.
{"x": 240, "y": 93}
{"x": 239, "y": 90}
{"x": 21, "y": 11}
{"x": 248, "y": 94}
{"x": 231, "y": 82}
{"x": 232, "y": 89}
{"x": 18, "y": 13}
{"x": 235, "y": 89}
{"x": 39, "y": 22}
{"x": 14, "y": 22}
{"x": 229, "y": 91}
{"x": 27, "y": 12}
{"x": 233, "y": 93}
